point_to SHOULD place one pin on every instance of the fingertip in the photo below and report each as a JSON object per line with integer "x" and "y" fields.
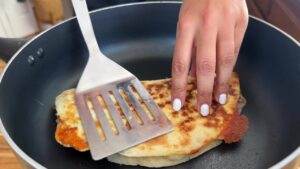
{"x": 204, "y": 102}
{"x": 178, "y": 95}
{"x": 222, "y": 99}
{"x": 204, "y": 109}
{"x": 221, "y": 93}
{"x": 177, "y": 104}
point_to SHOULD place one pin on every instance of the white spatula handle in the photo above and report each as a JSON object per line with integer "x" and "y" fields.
{"x": 86, "y": 27}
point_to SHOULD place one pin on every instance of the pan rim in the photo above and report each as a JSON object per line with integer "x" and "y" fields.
{"x": 21, "y": 154}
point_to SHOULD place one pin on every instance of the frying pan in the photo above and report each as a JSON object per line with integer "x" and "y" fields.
{"x": 140, "y": 37}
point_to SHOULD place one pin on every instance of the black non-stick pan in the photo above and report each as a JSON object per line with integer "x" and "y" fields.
{"x": 141, "y": 38}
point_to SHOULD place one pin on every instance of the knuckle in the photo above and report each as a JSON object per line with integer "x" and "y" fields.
{"x": 244, "y": 18}
{"x": 221, "y": 86}
{"x": 178, "y": 89}
{"x": 227, "y": 59}
{"x": 207, "y": 18}
{"x": 204, "y": 95}
{"x": 230, "y": 11}
{"x": 184, "y": 23}
{"x": 179, "y": 67}
{"x": 206, "y": 67}
{"x": 241, "y": 10}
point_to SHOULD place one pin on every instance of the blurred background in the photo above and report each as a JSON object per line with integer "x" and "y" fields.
{"x": 22, "y": 18}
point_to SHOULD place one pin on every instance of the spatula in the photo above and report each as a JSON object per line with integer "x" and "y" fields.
{"x": 116, "y": 110}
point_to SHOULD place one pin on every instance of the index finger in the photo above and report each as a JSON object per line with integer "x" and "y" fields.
{"x": 181, "y": 64}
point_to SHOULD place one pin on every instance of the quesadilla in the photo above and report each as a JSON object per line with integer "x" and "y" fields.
{"x": 192, "y": 134}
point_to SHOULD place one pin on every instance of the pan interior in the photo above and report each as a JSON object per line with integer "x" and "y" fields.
{"x": 142, "y": 41}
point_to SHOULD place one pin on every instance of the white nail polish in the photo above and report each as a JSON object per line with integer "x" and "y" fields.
{"x": 204, "y": 109}
{"x": 177, "y": 104}
{"x": 222, "y": 98}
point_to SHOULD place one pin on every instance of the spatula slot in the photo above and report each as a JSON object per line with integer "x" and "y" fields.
{"x": 95, "y": 120}
{"x": 147, "y": 99}
{"x": 119, "y": 110}
{"x": 131, "y": 107}
{"x": 107, "y": 114}
{"x": 137, "y": 105}
{"x": 131, "y": 117}
{"x": 143, "y": 104}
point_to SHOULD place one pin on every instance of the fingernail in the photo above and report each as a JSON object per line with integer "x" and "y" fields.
{"x": 177, "y": 104}
{"x": 204, "y": 109}
{"x": 222, "y": 98}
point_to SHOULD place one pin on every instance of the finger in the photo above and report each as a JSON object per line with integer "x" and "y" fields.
{"x": 225, "y": 60}
{"x": 205, "y": 67}
{"x": 239, "y": 32}
{"x": 193, "y": 63}
{"x": 240, "y": 29}
{"x": 181, "y": 64}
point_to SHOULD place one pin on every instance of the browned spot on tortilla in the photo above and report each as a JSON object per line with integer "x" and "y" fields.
{"x": 213, "y": 121}
{"x": 189, "y": 119}
{"x": 161, "y": 105}
{"x": 174, "y": 114}
{"x": 149, "y": 86}
{"x": 160, "y": 95}
{"x": 186, "y": 126}
{"x": 211, "y": 124}
{"x": 184, "y": 113}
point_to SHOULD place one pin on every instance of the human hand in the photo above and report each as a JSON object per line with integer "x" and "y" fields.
{"x": 209, "y": 36}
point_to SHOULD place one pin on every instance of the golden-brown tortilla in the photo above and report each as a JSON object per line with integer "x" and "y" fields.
{"x": 192, "y": 135}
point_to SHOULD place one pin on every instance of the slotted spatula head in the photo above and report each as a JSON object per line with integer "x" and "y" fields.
{"x": 116, "y": 110}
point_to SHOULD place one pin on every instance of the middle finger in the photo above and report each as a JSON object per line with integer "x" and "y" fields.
{"x": 205, "y": 67}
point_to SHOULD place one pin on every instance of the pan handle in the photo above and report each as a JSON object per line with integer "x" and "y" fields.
{"x": 9, "y": 46}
